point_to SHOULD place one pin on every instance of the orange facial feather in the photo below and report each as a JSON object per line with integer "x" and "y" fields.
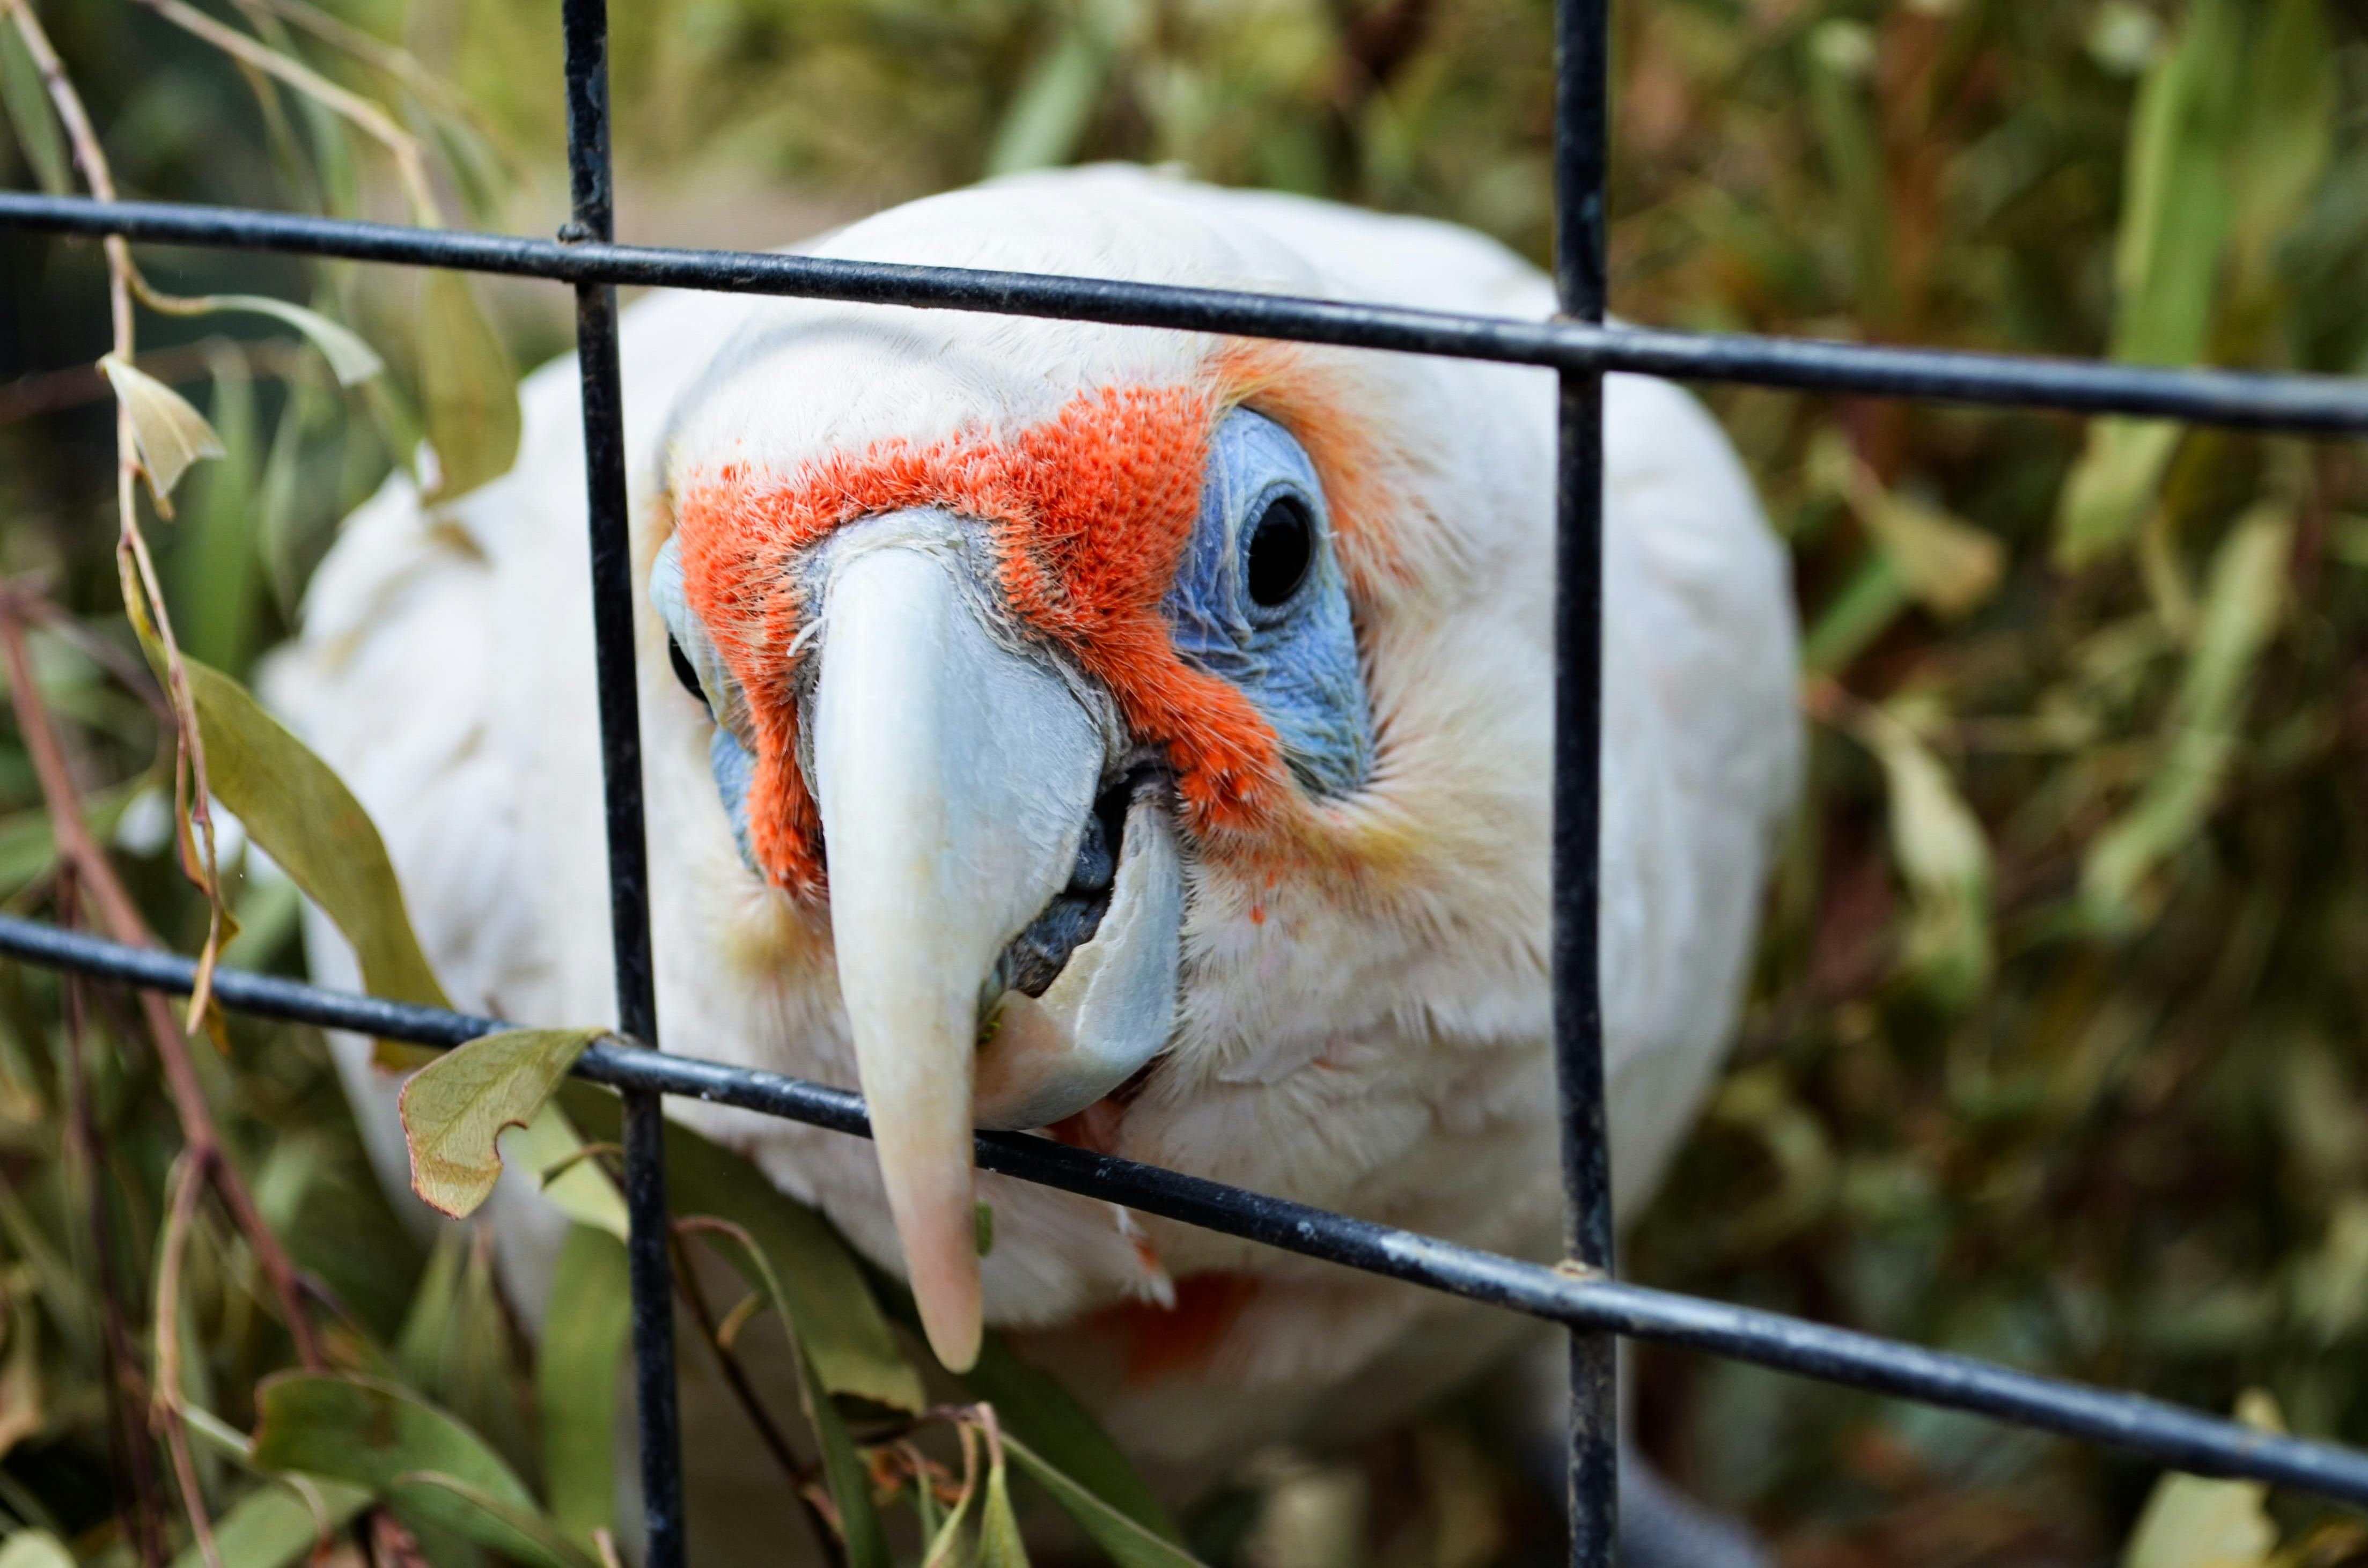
{"x": 1090, "y": 511}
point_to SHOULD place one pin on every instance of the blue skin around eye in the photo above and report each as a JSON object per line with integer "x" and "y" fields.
{"x": 1297, "y": 662}
{"x": 735, "y": 769}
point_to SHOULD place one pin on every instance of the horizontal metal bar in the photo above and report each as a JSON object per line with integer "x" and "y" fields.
{"x": 2301, "y": 405}
{"x": 2181, "y": 1440}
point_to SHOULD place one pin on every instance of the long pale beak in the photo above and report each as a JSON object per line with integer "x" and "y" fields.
{"x": 955, "y": 778}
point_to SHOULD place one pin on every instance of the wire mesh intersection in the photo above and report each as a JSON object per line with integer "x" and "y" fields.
{"x": 1581, "y": 1294}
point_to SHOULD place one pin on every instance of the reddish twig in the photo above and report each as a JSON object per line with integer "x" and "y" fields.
{"x": 803, "y": 1478}
{"x": 94, "y": 874}
{"x": 126, "y": 1391}
{"x": 186, "y": 1184}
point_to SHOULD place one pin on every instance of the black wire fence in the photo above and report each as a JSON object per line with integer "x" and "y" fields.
{"x": 1581, "y": 1293}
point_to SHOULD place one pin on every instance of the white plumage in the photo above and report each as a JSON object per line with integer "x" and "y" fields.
{"x": 1365, "y": 1030}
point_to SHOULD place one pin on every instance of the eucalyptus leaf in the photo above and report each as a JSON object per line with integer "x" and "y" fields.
{"x": 170, "y": 434}
{"x": 1053, "y": 107}
{"x": 577, "y": 1373}
{"x": 296, "y": 807}
{"x": 2177, "y": 207}
{"x": 455, "y": 1108}
{"x": 468, "y": 386}
{"x": 844, "y": 1472}
{"x": 351, "y": 360}
{"x": 274, "y": 1525}
{"x": 404, "y": 1450}
{"x": 575, "y": 1185}
{"x": 999, "y": 1545}
{"x": 1125, "y": 1539}
{"x": 1057, "y": 1428}
{"x": 830, "y": 1305}
{"x": 2286, "y": 124}
{"x": 514, "y": 1530}
{"x": 27, "y": 101}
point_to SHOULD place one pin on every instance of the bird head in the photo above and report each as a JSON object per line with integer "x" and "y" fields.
{"x": 1040, "y": 660}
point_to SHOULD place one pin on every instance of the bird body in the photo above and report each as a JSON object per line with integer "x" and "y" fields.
{"x": 1350, "y": 789}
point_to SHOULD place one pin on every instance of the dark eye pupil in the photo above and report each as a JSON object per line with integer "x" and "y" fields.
{"x": 684, "y": 673}
{"x": 1282, "y": 546}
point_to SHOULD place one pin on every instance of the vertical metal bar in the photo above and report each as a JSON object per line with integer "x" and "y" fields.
{"x": 585, "y": 24}
{"x": 1582, "y": 93}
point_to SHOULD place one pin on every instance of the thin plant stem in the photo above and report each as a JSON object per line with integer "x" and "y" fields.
{"x": 373, "y": 120}
{"x": 126, "y": 1392}
{"x": 94, "y": 874}
{"x": 185, "y": 1186}
{"x": 802, "y": 1478}
{"x": 122, "y": 280}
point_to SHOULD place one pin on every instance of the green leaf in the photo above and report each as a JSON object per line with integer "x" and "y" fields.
{"x": 456, "y": 1345}
{"x": 2108, "y": 491}
{"x": 35, "y": 1548}
{"x": 2286, "y": 135}
{"x": 1055, "y": 1426}
{"x": 513, "y": 1529}
{"x": 1951, "y": 566}
{"x": 404, "y": 1449}
{"x": 468, "y": 386}
{"x": 999, "y": 1545}
{"x": 351, "y": 360}
{"x": 455, "y": 1108}
{"x": 1840, "y": 60}
{"x": 1049, "y": 115}
{"x": 2242, "y": 601}
{"x": 831, "y": 1307}
{"x": 170, "y": 434}
{"x": 575, "y": 1380}
{"x": 274, "y": 1525}
{"x": 212, "y": 572}
{"x": 844, "y": 1472}
{"x": 575, "y": 1185}
{"x": 1124, "y": 1538}
{"x": 2176, "y": 211}
{"x": 1859, "y": 613}
{"x": 296, "y": 807}
{"x": 27, "y": 101}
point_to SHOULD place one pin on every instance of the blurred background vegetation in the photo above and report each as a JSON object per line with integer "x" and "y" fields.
{"x": 2060, "y": 1046}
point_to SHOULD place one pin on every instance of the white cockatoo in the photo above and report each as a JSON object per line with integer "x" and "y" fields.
{"x": 1139, "y": 733}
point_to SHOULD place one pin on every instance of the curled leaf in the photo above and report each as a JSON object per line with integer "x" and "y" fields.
{"x": 351, "y": 360}
{"x": 170, "y": 434}
{"x": 455, "y": 1108}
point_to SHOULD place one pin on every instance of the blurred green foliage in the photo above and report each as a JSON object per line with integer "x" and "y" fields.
{"x": 2058, "y": 1052}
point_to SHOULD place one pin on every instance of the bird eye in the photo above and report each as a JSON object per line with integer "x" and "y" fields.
{"x": 1282, "y": 548}
{"x": 684, "y": 673}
